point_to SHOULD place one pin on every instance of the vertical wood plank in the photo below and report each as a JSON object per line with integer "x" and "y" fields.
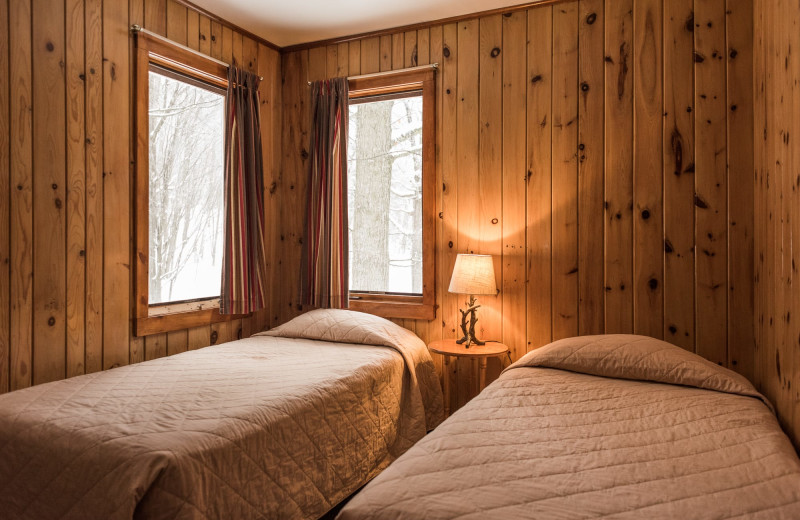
{"x": 480, "y": 204}
{"x": 794, "y": 334}
{"x": 410, "y": 53}
{"x": 711, "y": 180}
{"x": 344, "y": 60}
{"x": 94, "y": 184}
{"x": 565, "y": 170}
{"x": 424, "y": 46}
{"x": 250, "y": 54}
{"x": 759, "y": 209}
{"x": 193, "y": 29}
{"x": 49, "y": 192}
{"x": 21, "y": 156}
{"x": 740, "y": 200}
{"x": 471, "y": 160}
{"x": 177, "y": 22}
{"x": 398, "y": 51}
{"x": 435, "y": 326}
{"x": 116, "y": 185}
{"x": 155, "y": 16}
{"x": 619, "y": 167}
{"x": 648, "y": 221}
{"x": 370, "y": 55}
{"x": 5, "y": 244}
{"x": 679, "y": 172}
{"x": 317, "y": 64}
{"x": 450, "y": 175}
{"x": 204, "y": 44}
{"x": 484, "y": 200}
{"x": 333, "y": 60}
{"x": 354, "y": 58}
{"x": 539, "y": 177}
{"x": 216, "y": 40}
{"x": 76, "y": 186}
{"x": 515, "y": 34}
{"x": 591, "y": 157}
{"x": 386, "y": 52}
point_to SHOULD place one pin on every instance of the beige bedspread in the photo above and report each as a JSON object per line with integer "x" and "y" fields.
{"x": 571, "y": 431}
{"x": 266, "y": 427}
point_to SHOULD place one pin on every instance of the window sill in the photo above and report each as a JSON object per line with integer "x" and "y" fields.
{"x": 407, "y": 307}
{"x": 171, "y": 317}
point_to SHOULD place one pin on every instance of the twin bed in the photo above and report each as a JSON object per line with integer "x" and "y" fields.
{"x": 289, "y": 423}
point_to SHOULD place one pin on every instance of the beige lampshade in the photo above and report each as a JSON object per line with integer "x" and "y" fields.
{"x": 473, "y": 274}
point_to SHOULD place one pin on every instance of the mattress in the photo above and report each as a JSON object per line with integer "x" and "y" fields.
{"x": 282, "y": 425}
{"x": 607, "y": 426}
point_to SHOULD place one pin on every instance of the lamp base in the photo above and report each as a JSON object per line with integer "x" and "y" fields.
{"x": 469, "y": 332}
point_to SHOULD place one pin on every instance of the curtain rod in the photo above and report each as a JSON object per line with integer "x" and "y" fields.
{"x": 139, "y": 29}
{"x": 389, "y": 72}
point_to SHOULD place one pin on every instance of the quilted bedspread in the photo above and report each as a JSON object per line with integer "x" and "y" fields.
{"x": 610, "y": 426}
{"x": 266, "y": 427}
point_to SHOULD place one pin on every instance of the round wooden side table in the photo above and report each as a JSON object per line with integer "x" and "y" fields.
{"x": 449, "y": 348}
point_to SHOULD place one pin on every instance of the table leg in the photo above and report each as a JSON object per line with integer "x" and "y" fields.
{"x": 446, "y": 386}
{"x": 482, "y": 375}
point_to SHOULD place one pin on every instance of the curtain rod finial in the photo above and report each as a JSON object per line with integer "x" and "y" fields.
{"x": 136, "y": 28}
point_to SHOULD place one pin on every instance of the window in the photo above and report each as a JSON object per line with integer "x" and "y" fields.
{"x": 180, "y": 129}
{"x": 390, "y": 191}
{"x": 186, "y": 130}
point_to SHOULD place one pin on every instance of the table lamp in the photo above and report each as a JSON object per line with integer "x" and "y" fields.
{"x": 472, "y": 274}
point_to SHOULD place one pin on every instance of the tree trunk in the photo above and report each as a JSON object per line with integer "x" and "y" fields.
{"x": 370, "y": 241}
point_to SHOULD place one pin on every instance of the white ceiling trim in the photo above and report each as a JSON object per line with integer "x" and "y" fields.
{"x": 287, "y": 23}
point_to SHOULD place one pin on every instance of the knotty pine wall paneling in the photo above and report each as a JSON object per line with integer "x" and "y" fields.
{"x": 600, "y": 150}
{"x": 66, "y": 143}
{"x": 777, "y": 207}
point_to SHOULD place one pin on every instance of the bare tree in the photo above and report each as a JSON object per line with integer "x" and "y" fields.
{"x": 385, "y": 202}
{"x": 185, "y": 181}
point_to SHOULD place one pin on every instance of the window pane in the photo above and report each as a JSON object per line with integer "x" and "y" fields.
{"x": 385, "y": 195}
{"x": 186, "y": 184}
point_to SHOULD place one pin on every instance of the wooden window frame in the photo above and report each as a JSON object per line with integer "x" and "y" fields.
{"x": 171, "y": 316}
{"x": 409, "y": 306}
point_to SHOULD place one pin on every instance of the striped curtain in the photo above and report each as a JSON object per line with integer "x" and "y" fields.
{"x": 243, "y": 262}
{"x": 324, "y": 269}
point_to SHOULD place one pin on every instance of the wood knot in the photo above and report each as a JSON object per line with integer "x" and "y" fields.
{"x": 214, "y": 337}
{"x": 446, "y": 51}
{"x": 58, "y": 203}
{"x": 591, "y": 18}
{"x": 495, "y": 52}
{"x": 653, "y": 284}
{"x": 50, "y": 47}
{"x": 450, "y": 244}
{"x": 51, "y": 321}
{"x": 495, "y": 221}
{"x": 733, "y": 54}
{"x": 536, "y": 79}
{"x": 54, "y": 186}
{"x": 585, "y": 87}
{"x": 646, "y": 214}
